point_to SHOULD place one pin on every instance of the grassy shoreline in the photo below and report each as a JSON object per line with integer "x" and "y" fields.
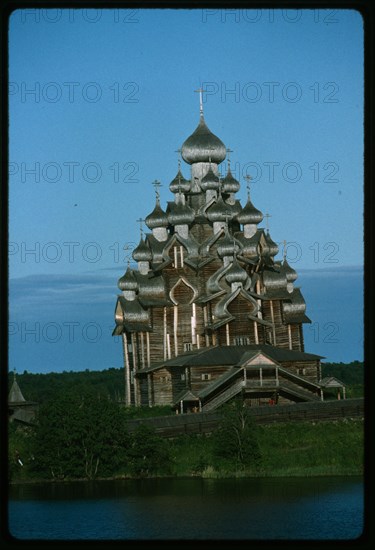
{"x": 298, "y": 449}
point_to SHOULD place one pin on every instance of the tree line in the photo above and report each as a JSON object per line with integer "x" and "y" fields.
{"x": 109, "y": 383}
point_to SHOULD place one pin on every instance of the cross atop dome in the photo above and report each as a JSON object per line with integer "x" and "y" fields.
{"x": 157, "y": 185}
{"x": 141, "y": 221}
{"x": 248, "y": 180}
{"x": 201, "y": 92}
{"x": 267, "y": 216}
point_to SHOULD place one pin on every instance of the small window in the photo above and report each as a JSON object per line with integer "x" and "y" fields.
{"x": 206, "y": 376}
{"x": 132, "y": 377}
{"x": 241, "y": 341}
{"x": 183, "y": 377}
{"x": 301, "y": 371}
{"x": 188, "y": 347}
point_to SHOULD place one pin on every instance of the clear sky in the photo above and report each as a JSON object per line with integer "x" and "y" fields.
{"x": 100, "y": 100}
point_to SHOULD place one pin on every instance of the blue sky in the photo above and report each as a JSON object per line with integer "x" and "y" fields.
{"x": 100, "y": 100}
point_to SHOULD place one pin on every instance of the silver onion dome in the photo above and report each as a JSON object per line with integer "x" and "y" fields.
{"x": 220, "y": 211}
{"x": 157, "y": 218}
{"x": 273, "y": 249}
{"x": 210, "y": 181}
{"x": 249, "y": 214}
{"x": 289, "y": 272}
{"x": 128, "y": 281}
{"x": 236, "y": 274}
{"x": 229, "y": 183}
{"x": 179, "y": 182}
{"x": 203, "y": 146}
{"x": 181, "y": 214}
{"x": 142, "y": 253}
{"x": 227, "y": 246}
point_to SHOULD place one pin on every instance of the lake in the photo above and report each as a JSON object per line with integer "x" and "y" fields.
{"x": 319, "y": 508}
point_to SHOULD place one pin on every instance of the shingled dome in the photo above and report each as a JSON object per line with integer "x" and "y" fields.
{"x": 210, "y": 181}
{"x": 219, "y": 212}
{"x": 289, "y": 272}
{"x": 249, "y": 214}
{"x": 181, "y": 214}
{"x": 203, "y": 146}
{"x": 157, "y": 218}
{"x": 142, "y": 253}
{"x": 128, "y": 281}
{"x": 230, "y": 184}
{"x": 236, "y": 274}
{"x": 179, "y": 182}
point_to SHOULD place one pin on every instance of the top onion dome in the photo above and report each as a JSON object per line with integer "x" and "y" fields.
{"x": 203, "y": 146}
{"x": 157, "y": 218}
{"x": 179, "y": 182}
{"x": 249, "y": 214}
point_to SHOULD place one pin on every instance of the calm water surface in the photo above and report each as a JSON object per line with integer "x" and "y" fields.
{"x": 258, "y": 509}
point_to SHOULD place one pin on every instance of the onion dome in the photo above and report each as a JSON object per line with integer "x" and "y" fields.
{"x": 157, "y": 218}
{"x": 273, "y": 249}
{"x": 142, "y": 253}
{"x": 289, "y": 272}
{"x": 128, "y": 281}
{"x": 229, "y": 183}
{"x": 235, "y": 208}
{"x": 181, "y": 214}
{"x": 236, "y": 274}
{"x": 179, "y": 182}
{"x": 210, "y": 181}
{"x": 249, "y": 214}
{"x": 227, "y": 246}
{"x": 202, "y": 146}
{"x": 220, "y": 211}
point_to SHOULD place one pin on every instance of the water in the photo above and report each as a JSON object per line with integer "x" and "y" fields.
{"x": 190, "y": 509}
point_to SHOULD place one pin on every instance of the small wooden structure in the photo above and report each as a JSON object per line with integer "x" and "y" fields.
{"x": 20, "y": 410}
{"x": 331, "y": 382}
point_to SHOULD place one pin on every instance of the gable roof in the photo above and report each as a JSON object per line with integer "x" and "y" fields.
{"x": 231, "y": 355}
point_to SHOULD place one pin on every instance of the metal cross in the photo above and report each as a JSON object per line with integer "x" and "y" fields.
{"x": 248, "y": 179}
{"x": 284, "y": 251}
{"x": 229, "y": 151}
{"x": 179, "y": 151}
{"x": 157, "y": 185}
{"x": 201, "y": 92}
{"x": 140, "y": 221}
{"x": 267, "y": 216}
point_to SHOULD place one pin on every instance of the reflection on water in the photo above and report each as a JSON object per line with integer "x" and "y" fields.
{"x": 192, "y": 508}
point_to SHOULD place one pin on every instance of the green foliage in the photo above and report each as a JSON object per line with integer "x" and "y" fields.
{"x": 349, "y": 373}
{"x": 148, "y": 453}
{"x": 79, "y": 435}
{"x": 41, "y": 388}
{"x": 236, "y": 439}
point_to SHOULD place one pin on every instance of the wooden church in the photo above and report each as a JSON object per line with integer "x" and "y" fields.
{"x": 209, "y": 314}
